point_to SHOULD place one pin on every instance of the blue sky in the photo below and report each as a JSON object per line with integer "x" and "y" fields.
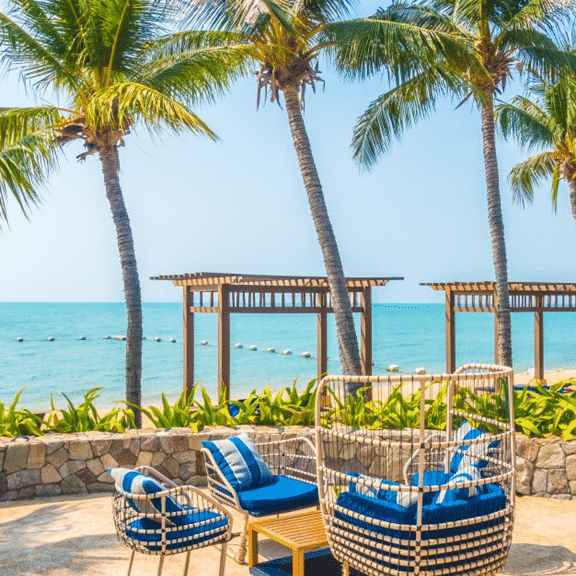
{"x": 239, "y": 205}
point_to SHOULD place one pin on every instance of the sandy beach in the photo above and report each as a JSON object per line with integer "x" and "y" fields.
{"x": 551, "y": 376}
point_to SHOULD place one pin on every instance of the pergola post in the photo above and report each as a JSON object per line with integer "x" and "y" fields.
{"x": 322, "y": 337}
{"x": 366, "y": 331}
{"x": 450, "y": 333}
{"x": 188, "y": 340}
{"x": 224, "y": 339}
{"x": 539, "y": 342}
{"x": 496, "y": 330}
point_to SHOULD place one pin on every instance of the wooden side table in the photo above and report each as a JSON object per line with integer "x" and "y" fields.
{"x": 299, "y": 532}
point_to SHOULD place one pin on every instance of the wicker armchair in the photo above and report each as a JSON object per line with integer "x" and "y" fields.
{"x": 291, "y": 483}
{"x": 153, "y": 515}
{"x": 407, "y": 500}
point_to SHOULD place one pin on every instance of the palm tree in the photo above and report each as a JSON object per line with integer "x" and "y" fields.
{"x": 547, "y": 123}
{"x": 285, "y": 39}
{"x": 496, "y": 37}
{"x": 100, "y": 58}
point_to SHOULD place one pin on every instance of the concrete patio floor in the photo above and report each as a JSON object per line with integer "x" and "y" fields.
{"x": 76, "y": 536}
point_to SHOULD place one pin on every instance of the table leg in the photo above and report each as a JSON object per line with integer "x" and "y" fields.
{"x": 252, "y": 547}
{"x": 298, "y": 563}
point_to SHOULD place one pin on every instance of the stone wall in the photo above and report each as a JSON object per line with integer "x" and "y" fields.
{"x": 78, "y": 463}
{"x": 546, "y": 467}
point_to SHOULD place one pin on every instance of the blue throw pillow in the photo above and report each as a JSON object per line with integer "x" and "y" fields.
{"x": 463, "y": 475}
{"x": 135, "y": 482}
{"x": 402, "y": 498}
{"x": 471, "y": 454}
{"x": 240, "y": 462}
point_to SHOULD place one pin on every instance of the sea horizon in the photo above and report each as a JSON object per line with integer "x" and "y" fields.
{"x": 410, "y": 335}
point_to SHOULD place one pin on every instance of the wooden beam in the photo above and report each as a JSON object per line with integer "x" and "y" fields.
{"x": 539, "y": 346}
{"x": 450, "y": 332}
{"x": 366, "y": 331}
{"x": 224, "y": 339}
{"x": 322, "y": 337}
{"x": 188, "y": 340}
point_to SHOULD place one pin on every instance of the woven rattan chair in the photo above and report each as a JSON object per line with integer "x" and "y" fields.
{"x": 290, "y": 481}
{"x": 153, "y": 515}
{"x": 425, "y": 490}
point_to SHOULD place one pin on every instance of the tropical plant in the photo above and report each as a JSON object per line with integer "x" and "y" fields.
{"x": 495, "y": 37}
{"x": 85, "y": 416}
{"x": 285, "y": 38}
{"x": 14, "y": 422}
{"x": 101, "y": 58}
{"x": 548, "y": 123}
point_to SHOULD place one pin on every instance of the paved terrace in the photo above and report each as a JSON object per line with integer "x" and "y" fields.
{"x": 65, "y": 536}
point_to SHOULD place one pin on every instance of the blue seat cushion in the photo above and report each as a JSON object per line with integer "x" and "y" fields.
{"x": 149, "y": 532}
{"x": 240, "y": 462}
{"x": 281, "y": 495}
{"x": 491, "y": 501}
{"x": 432, "y": 478}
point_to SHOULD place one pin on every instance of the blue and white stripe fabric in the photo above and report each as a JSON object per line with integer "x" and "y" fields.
{"x": 240, "y": 462}
{"x": 134, "y": 482}
{"x": 379, "y": 491}
{"x": 471, "y": 454}
{"x": 469, "y": 474}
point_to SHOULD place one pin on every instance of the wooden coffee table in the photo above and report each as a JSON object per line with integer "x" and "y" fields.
{"x": 299, "y": 532}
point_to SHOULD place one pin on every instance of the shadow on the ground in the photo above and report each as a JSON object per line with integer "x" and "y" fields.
{"x": 49, "y": 540}
{"x": 539, "y": 560}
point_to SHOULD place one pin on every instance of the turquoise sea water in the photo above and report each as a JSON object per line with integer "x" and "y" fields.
{"x": 410, "y": 335}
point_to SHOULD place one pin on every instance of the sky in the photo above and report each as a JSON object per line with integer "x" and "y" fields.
{"x": 239, "y": 205}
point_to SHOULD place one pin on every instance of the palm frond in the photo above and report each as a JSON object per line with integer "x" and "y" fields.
{"x": 544, "y": 14}
{"x": 528, "y": 174}
{"x": 121, "y": 104}
{"x": 523, "y": 120}
{"x": 18, "y": 123}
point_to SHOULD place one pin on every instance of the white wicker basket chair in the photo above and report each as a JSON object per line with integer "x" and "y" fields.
{"x": 153, "y": 515}
{"x": 416, "y": 473}
{"x": 292, "y": 463}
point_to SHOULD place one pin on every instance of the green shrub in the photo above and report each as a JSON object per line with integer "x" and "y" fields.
{"x": 21, "y": 422}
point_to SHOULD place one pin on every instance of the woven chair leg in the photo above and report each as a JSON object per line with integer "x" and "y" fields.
{"x": 223, "y": 558}
{"x": 131, "y": 562}
{"x": 243, "y": 545}
{"x": 160, "y": 566}
{"x": 345, "y": 569}
{"x": 187, "y": 563}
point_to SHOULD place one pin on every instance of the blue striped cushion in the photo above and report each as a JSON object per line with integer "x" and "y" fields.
{"x": 404, "y": 499}
{"x": 240, "y": 462}
{"x": 135, "y": 482}
{"x": 463, "y": 475}
{"x": 471, "y": 454}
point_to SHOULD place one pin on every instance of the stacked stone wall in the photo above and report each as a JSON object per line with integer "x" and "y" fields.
{"x": 58, "y": 464}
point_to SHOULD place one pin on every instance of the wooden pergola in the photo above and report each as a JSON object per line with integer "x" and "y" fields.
{"x": 226, "y": 294}
{"x": 537, "y": 297}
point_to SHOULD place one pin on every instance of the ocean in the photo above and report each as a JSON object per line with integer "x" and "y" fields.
{"x": 409, "y": 335}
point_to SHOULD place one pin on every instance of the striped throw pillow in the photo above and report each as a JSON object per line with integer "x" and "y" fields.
{"x": 402, "y": 498}
{"x": 137, "y": 483}
{"x": 240, "y": 462}
{"x": 469, "y": 474}
{"x": 471, "y": 454}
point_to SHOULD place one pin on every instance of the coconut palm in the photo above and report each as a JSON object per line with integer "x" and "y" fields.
{"x": 99, "y": 58}
{"x": 497, "y": 37}
{"x": 548, "y": 123}
{"x": 286, "y": 37}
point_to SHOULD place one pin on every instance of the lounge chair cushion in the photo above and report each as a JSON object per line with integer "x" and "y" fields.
{"x": 380, "y": 491}
{"x": 471, "y": 454}
{"x": 240, "y": 462}
{"x": 463, "y": 493}
{"x": 483, "y": 504}
{"x": 281, "y": 495}
{"x": 187, "y": 534}
{"x": 134, "y": 482}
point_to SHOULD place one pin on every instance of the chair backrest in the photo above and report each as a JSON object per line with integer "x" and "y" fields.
{"x": 405, "y": 460}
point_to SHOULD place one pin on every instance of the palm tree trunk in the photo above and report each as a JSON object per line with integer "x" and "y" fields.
{"x": 347, "y": 341}
{"x": 496, "y": 223}
{"x": 110, "y": 169}
{"x": 572, "y": 189}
